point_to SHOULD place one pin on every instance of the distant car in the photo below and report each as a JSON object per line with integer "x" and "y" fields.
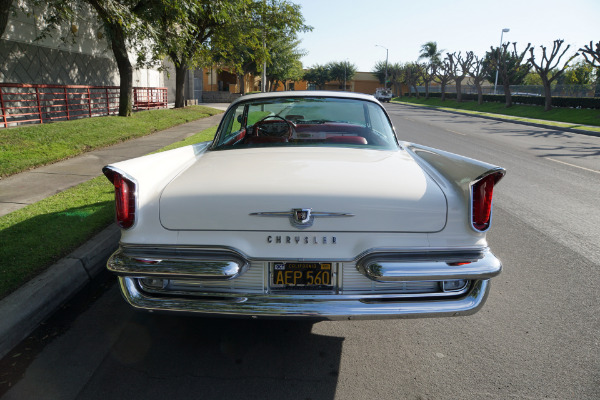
{"x": 305, "y": 205}
{"x": 526, "y": 94}
{"x": 383, "y": 95}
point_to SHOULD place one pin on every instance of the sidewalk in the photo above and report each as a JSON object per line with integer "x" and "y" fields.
{"x": 22, "y": 311}
{"x": 20, "y": 190}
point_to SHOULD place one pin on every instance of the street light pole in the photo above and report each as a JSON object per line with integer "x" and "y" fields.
{"x": 498, "y": 66}
{"x": 386, "y": 64}
{"x": 345, "y": 69}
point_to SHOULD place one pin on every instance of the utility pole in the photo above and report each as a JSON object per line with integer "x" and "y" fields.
{"x": 386, "y": 64}
{"x": 498, "y": 67}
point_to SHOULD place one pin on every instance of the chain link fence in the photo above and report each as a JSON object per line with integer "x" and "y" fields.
{"x": 591, "y": 90}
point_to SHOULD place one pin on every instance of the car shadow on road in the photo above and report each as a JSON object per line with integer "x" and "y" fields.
{"x": 162, "y": 356}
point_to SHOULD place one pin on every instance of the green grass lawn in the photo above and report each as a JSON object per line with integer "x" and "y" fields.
{"x": 35, "y": 237}
{"x": 566, "y": 117}
{"x": 30, "y": 146}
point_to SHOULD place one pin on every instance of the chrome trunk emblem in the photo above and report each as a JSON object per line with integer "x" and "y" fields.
{"x": 301, "y": 217}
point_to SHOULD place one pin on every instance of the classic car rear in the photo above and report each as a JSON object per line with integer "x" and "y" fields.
{"x": 305, "y": 205}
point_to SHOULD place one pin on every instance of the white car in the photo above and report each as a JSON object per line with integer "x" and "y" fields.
{"x": 383, "y": 95}
{"x": 305, "y": 205}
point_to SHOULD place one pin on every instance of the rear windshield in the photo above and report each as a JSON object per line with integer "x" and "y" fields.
{"x": 306, "y": 121}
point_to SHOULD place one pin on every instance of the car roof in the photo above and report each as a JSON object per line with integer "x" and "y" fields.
{"x": 306, "y": 93}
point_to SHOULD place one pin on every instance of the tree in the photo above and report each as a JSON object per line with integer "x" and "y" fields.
{"x": 431, "y": 52}
{"x": 509, "y": 65}
{"x": 580, "y": 73}
{"x": 533, "y": 79}
{"x": 234, "y": 46}
{"x": 285, "y": 63}
{"x": 591, "y": 54}
{"x": 427, "y": 73}
{"x": 186, "y": 28}
{"x": 379, "y": 71}
{"x": 272, "y": 20}
{"x": 478, "y": 72}
{"x": 489, "y": 62}
{"x": 6, "y": 7}
{"x": 412, "y": 75}
{"x": 459, "y": 69}
{"x": 247, "y": 45}
{"x": 318, "y": 75}
{"x": 547, "y": 68}
{"x": 396, "y": 77}
{"x": 341, "y": 71}
{"x": 443, "y": 77}
{"x": 122, "y": 25}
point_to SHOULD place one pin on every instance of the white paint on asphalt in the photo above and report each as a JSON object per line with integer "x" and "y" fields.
{"x": 573, "y": 165}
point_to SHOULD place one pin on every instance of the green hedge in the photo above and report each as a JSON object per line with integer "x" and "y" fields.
{"x": 567, "y": 102}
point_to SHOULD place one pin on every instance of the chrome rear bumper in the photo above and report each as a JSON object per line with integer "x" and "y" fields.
{"x": 324, "y": 307}
{"x": 384, "y": 269}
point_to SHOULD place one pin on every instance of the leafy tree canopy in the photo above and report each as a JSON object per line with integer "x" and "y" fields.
{"x": 318, "y": 75}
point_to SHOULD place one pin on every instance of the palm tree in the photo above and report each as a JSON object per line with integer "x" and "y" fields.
{"x": 431, "y": 52}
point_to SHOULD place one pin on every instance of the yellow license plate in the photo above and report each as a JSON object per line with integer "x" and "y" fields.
{"x": 296, "y": 275}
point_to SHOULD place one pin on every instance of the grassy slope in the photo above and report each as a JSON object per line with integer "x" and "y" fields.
{"x": 36, "y": 236}
{"x": 573, "y": 118}
{"x": 26, "y": 147}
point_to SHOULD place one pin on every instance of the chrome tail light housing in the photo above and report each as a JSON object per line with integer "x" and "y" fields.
{"x": 482, "y": 192}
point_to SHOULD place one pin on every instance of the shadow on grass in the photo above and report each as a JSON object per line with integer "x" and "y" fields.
{"x": 33, "y": 244}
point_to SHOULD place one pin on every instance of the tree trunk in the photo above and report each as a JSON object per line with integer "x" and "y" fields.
{"x": 416, "y": 90}
{"x": 458, "y": 89}
{"x": 548, "y": 94}
{"x": 119, "y": 49}
{"x": 507, "y": 94}
{"x": 242, "y": 83}
{"x": 4, "y": 13}
{"x": 479, "y": 93}
{"x": 426, "y": 90}
{"x": 180, "y": 72}
{"x": 443, "y": 89}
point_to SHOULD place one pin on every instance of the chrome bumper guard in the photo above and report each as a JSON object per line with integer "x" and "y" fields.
{"x": 176, "y": 264}
{"x": 434, "y": 266}
{"x": 474, "y": 266}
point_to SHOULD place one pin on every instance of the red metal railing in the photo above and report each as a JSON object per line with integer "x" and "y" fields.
{"x": 28, "y": 103}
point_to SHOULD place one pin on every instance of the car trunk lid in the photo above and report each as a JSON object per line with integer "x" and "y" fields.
{"x": 257, "y": 189}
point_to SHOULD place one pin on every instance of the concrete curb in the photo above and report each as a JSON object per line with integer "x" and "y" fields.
{"x": 23, "y": 310}
{"x": 537, "y": 125}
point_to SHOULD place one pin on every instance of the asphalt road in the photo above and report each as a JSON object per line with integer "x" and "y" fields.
{"x": 538, "y": 336}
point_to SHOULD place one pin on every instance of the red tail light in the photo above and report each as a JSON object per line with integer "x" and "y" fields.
{"x": 124, "y": 198}
{"x": 481, "y": 197}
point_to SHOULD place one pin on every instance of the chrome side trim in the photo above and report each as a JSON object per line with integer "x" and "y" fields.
{"x": 389, "y": 267}
{"x": 177, "y": 264}
{"x": 292, "y": 307}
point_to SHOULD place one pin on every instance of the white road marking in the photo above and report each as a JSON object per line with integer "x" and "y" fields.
{"x": 572, "y": 165}
{"x": 458, "y": 133}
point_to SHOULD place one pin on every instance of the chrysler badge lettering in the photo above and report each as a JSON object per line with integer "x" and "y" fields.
{"x": 301, "y": 239}
{"x": 301, "y": 217}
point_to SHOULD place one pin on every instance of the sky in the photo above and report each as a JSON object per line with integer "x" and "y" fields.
{"x": 351, "y": 29}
